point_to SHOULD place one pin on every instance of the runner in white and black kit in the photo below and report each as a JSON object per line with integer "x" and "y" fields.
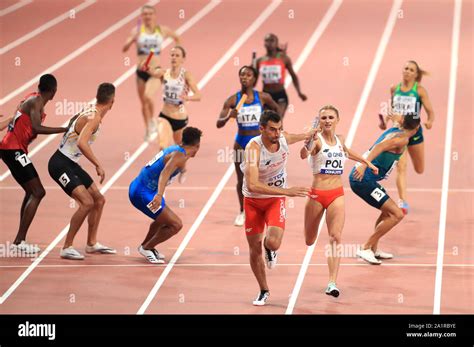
{"x": 76, "y": 182}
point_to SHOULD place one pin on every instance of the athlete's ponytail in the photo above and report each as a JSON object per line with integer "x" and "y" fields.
{"x": 419, "y": 71}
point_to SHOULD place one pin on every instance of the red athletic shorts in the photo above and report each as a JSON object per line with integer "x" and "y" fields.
{"x": 258, "y": 212}
{"x": 326, "y": 197}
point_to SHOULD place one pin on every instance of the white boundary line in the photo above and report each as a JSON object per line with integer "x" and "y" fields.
{"x": 447, "y": 155}
{"x": 77, "y": 52}
{"x": 14, "y": 7}
{"x": 350, "y": 138}
{"x": 204, "y": 11}
{"x": 221, "y": 265}
{"x": 303, "y": 56}
{"x": 46, "y": 26}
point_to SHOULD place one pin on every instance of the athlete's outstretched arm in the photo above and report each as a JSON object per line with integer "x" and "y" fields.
{"x": 293, "y": 138}
{"x": 294, "y": 77}
{"x": 228, "y": 111}
{"x": 356, "y": 156}
{"x": 167, "y": 32}
{"x": 85, "y": 132}
{"x": 272, "y": 105}
{"x": 4, "y": 123}
{"x": 425, "y": 100}
{"x": 252, "y": 158}
{"x": 177, "y": 160}
{"x": 194, "y": 88}
{"x": 132, "y": 38}
{"x": 35, "y": 116}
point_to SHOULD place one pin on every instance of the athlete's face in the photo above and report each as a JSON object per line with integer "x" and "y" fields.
{"x": 148, "y": 16}
{"x": 193, "y": 150}
{"x": 271, "y": 43}
{"x": 272, "y": 131}
{"x": 247, "y": 78}
{"x": 177, "y": 58}
{"x": 328, "y": 120}
{"x": 410, "y": 72}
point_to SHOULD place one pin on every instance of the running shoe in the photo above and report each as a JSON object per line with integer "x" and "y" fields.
{"x": 99, "y": 248}
{"x": 332, "y": 289}
{"x": 261, "y": 298}
{"x": 158, "y": 254}
{"x": 26, "y": 248}
{"x": 382, "y": 255}
{"x": 240, "y": 219}
{"x": 71, "y": 253}
{"x": 368, "y": 256}
{"x": 404, "y": 206}
{"x": 271, "y": 257}
{"x": 150, "y": 256}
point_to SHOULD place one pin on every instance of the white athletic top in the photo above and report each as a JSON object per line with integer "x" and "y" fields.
{"x": 174, "y": 88}
{"x": 329, "y": 160}
{"x": 146, "y": 42}
{"x": 271, "y": 168}
{"x": 68, "y": 145}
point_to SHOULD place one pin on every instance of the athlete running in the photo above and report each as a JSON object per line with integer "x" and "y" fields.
{"x": 384, "y": 154}
{"x": 247, "y": 117}
{"x": 23, "y": 128}
{"x": 409, "y": 96}
{"x": 146, "y": 192}
{"x": 264, "y": 190}
{"x": 63, "y": 168}
{"x": 148, "y": 38}
{"x": 272, "y": 67}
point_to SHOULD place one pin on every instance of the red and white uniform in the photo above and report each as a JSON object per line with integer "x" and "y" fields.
{"x": 261, "y": 209}
{"x": 20, "y": 131}
{"x": 174, "y": 88}
{"x": 272, "y": 70}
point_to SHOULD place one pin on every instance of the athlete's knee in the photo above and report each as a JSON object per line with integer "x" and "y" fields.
{"x": 310, "y": 240}
{"x": 99, "y": 200}
{"x": 255, "y": 250}
{"x": 272, "y": 243}
{"x": 335, "y": 237}
{"x": 398, "y": 215}
{"x": 38, "y": 193}
{"x": 87, "y": 203}
{"x": 176, "y": 225}
{"x": 419, "y": 168}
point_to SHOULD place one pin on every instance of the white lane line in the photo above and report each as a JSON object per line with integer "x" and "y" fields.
{"x": 350, "y": 138}
{"x": 46, "y": 26}
{"x": 15, "y": 7}
{"x": 303, "y": 56}
{"x": 347, "y": 189}
{"x": 205, "y": 10}
{"x": 77, "y": 52}
{"x": 447, "y": 155}
{"x": 59, "y": 266}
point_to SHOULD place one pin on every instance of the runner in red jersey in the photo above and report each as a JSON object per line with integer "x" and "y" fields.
{"x": 272, "y": 67}
{"x": 22, "y": 130}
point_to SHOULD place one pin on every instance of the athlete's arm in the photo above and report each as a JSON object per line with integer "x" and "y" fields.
{"x": 86, "y": 126}
{"x": 357, "y": 157}
{"x": 267, "y": 100}
{"x": 4, "y": 123}
{"x": 252, "y": 158}
{"x": 130, "y": 39}
{"x": 425, "y": 100}
{"x": 176, "y": 160}
{"x": 167, "y": 32}
{"x": 194, "y": 88}
{"x": 35, "y": 116}
{"x": 315, "y": 148}
{"x": 294, "y": 77}
{"x": 293, "y": 138}
{"x": 158, "y": 72}
{"x": 228, "y": 111}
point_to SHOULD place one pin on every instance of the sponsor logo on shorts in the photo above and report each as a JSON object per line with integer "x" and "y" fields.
{"x": 416, "y": 138}
{"x": 64, "y": 179}
{"x": 377, "y": 194}
{"x": 282, "y": 211}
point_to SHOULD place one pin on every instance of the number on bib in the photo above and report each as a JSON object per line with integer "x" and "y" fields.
{"x": 377, "y": 194}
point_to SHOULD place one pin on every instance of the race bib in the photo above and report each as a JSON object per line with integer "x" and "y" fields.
{"x": 64, "y": 179}
{"x": 23, "y": 159}
{"x": 377, "y": 194}
{"x": 271, "y": 74}
{"x": 249, "y": 116}
{"x": 157, "y": 157}
{"x": 403, "y": 104}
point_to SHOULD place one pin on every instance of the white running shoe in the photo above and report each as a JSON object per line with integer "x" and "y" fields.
{"x": 262, "y": 298}
{"x": 332, "y": 289}
{"x": 150, "y": 256}
{"x": 369, "y": 256}
{"x": 158, "y": 254}
{"x": 99, "y": 248}
{"x": 382, "y": 255}
{"x": 26, "y": 248}
{"x": 71, "y": 253}
{"x": 271, "y": 257}
{"x": 240, "y": 219}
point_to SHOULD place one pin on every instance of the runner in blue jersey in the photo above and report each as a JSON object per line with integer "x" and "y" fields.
{"x": 384, "y": 154}
{"x": 248, "y": 118}
{"x": 147, "y": 190}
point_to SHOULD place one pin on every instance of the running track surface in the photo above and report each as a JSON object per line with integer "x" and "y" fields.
{"x": 212, "y": 274}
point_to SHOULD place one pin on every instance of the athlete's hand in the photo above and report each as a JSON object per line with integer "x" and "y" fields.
{"x": 156, "y": 202}
{"x": 395, "y": 117}
{"x": 429, "y": 124}
{"x": 359, "y": 172}
{"x": 374, "y": 168}
{"x": 382, "y": 124}
{"x": 298, "y": 191}
{"x": 233, "y": 113}
{"x": 302, "y": 96}
{"x": 101, "y": 173}
{"x": 142, "y": 66}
